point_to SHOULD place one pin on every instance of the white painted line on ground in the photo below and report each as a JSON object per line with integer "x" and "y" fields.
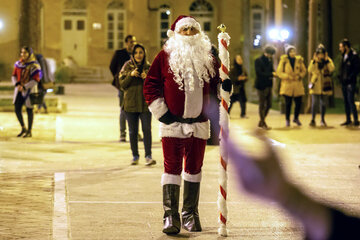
{"x": 60, "y": 215}
{"x": 276, "y": 143}
{"x": 59, "y": 129}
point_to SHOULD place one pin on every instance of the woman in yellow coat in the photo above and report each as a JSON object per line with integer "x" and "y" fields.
{"x": 320, "y": 86}
{"x": 291, "y": 70}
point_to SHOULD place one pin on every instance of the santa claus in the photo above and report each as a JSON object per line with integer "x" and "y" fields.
{"x": 177, "y": 89}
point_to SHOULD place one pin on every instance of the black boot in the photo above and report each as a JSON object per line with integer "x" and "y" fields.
{"x": 23, "y": 131}
{"x": 190, "y": 213}
{"x": 171, "y": 193}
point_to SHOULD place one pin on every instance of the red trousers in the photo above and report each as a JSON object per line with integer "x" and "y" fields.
{"x": 176, "y": 149}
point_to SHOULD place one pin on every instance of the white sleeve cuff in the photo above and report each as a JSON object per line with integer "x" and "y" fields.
{"x": 158, "y": 108}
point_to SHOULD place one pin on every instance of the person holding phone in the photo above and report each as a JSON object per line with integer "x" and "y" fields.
{"x": 131, "y": 81}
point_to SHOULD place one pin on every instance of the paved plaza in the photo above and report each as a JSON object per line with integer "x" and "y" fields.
{"x": 73, "y": 178}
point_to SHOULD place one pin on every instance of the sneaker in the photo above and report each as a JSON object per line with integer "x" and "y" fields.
{"x": 244, "y": 116}
{"x": 149, "y": 161}
{"x": 347, "y": 123}
{"x": 287, "y": 123}
{"x": 312, "y": 123}
{"x": 265, "y": 126}
{"x": 122, "y": 139}
{"x": 356, "y": 123}
{"x": 261, "y": 124}
{"x": 135, "y": 160}
{"x": 323, "y": 123}
{"x": 297, "y": 122}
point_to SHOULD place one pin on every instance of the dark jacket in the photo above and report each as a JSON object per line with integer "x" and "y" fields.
{"x": 117, "y": 62}
{"x": 349, "y": 68}
{"x": 236, "y": 71}
{"x": 264, "y": 73}
{"x": 134, "y": 100}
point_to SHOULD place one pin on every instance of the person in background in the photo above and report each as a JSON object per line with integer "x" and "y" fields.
{"x": 349, "y": 69}
{"x": 26, "y": 75}
{"x": 131, "y": 81}
{"x": 117, "y": 62}
{"x": 320, "y": 86}
{"x": 47, "y": 78}
{"x": 264, "y": 82}
{"x": 291, "y": 70}
{"x": 238, "y": 76}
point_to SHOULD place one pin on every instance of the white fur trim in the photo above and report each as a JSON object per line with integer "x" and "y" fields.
{"x": 193, "y": 98}
{"x": 187, "y": 21}
{"x": 167, "y": 178}
{"x": 158, "y": 108}
{"x": 192, "y": 177}
{"x": 183, "y": 130}
{"x": 170, "y": 33}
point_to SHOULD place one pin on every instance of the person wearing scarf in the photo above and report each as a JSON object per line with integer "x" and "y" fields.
{"x": 291, "y": 70}
{"x": 320, "y": 86}
{"x": 238, "y": 78}
{"x": 26, "y": 75}
{"x": 131, "y": 81}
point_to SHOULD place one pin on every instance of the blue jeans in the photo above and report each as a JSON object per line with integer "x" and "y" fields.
{"x": 315, "y": 104}
{"x": 133, "y": 122}
{"x": 349, "y": 101}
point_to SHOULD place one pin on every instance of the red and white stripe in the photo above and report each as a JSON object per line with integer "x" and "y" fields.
{"x": 224, "y": 42}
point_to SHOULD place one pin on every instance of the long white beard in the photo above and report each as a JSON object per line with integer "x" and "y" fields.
{"x": 189, "y": 53}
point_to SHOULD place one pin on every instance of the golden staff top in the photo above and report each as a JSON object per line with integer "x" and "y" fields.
{"x": 222, "y": 27}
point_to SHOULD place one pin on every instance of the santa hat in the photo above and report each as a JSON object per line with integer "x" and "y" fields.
{"x": 183, "y": 21}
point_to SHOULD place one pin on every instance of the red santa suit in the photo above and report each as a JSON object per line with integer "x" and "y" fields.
{"x": 184, "y": 128}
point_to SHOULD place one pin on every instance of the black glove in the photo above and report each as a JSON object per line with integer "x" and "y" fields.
{"x": 167, "y": 118}
{"x": 226, "y": 85}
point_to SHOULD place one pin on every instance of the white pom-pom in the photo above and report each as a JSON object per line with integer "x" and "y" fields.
{"x": 170, "y": 33}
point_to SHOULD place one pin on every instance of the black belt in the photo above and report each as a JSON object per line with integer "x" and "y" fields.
{"x": 190, "y": 120}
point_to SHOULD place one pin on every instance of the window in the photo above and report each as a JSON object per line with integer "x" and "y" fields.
{"x": 164, "y": 19}
{"x": 116, "y": 26}
{"x": 202, "y": 10}
{"x": 67, "y": 24}
{"x": 257, "y": 26}
{"x": 80, "y": 25}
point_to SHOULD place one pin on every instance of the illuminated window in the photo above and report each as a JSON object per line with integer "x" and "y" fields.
{"x": 257, "y": 26}
{"x": 116, "y": 25}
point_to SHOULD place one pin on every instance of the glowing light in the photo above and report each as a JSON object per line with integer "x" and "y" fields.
{"x": 273, "y": 34}
{"x": 50, "y": 90}
{"x": 279, "y": 34}
{"x": 284, "y": 34}
{"x": 1, "y": 24}
{"x": 168, "y": 12}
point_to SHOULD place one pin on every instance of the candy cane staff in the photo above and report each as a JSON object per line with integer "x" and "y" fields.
{"x": 177, "y": 89}
{"x": 225, "y": 92}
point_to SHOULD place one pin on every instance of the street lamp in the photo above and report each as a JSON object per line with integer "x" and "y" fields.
{"x": 276, "y": 34}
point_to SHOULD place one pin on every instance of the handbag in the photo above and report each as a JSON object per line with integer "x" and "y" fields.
{"x": 327, "y": 85}
{"x": 36, "y": 96}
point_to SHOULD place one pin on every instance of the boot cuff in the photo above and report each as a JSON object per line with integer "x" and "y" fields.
{"x": 192, "y": 177}
{"x": 167, "y": 178}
